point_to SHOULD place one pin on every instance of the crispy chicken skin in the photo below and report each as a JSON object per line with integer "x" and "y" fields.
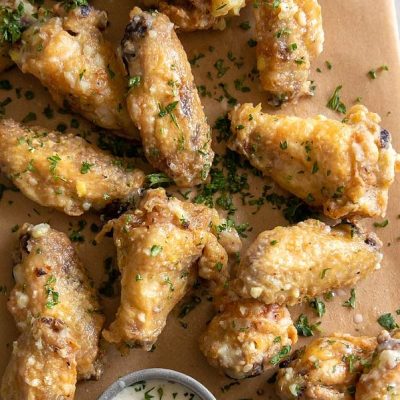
{"x": 24, "y": 10}
{"x": 381, "y": 381}
{"x": 70, "y": 57}
{"x": 55, "y": 307}
{"x": 162, "y": 247}
{"x": 193, "y": 15}
{"x": 288, "y": 264}
{"x": 63, "y": 170}
{"x": 164, "y": 102}
{"x": 346, "y": 168}
{"x": 326, "y": 369}
{"x": 289, "y": 36}
{"x": 245, "y": 337}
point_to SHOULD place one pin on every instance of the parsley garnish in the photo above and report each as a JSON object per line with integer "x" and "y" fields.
{"x": 283, "y": 352}
{"x": 387, "y": 321}
{"x": 158, "y": 180}
{"x": 304, "y": 328}
{"x": 335, "y": 103}
{"x": 52, "y": 295}
{"x": 318, "y": 306}
{"x": 351, "y": 302}
{"x": 155, "y": 250}
{"x": 11, "y": 26}
{"x": 85, "y": 167}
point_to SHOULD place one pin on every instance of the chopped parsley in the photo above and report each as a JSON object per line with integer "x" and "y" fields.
{"x": 335, "y": 103}
{"x": 71, "y": 4}
{"x": 134, "y": 81}
{"x": 382, "y": 224}
{"x": 318, "y": 306}
{"x": 52, "y": 295}
{"x": 155, "y": 250}
{"x": 304, "y": 328}
{"x": 158, "y": 180}
{"x": 387, "y": 321}
{"x": 11, "y": 26}
{"x": 85, "y": 167}
{"x": 282, "y": 354}
{"x": 351, "y": 302}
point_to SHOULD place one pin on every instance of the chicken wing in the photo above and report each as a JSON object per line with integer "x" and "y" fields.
{"x": 193, "y": 15}
{"x": 288, "y": 264}
{"x": 69, "y": 55}
{"x": 158, "y": 247}
{"x": 289, "y": 36}
{"x": 381, "y": 380}
{"x": 15, "y": 17}
{"x": 54, "y": 304}
{"x": 163, "y": 100}
{"x": 346, "y": 168}
{"x": 327, "y": 369}
{"x": 248, "y": 337}
{"x": 62, "y": 170}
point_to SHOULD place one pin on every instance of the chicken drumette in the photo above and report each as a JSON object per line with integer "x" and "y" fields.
{"x": 163, "y": 100}
{"x": 63, "y": 170}
{"x": 55, "y": 307}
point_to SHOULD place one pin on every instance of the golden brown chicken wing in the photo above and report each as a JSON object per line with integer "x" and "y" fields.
{"x": 15, "y": 16}
{"x": 163, "y": 100}
{"x": 381, "y": 380}
{"x": 55, "y": 306}
{"x": 327, "y": 369}
{"x": 346, "y": 168}
{"x": 68, "y": 54}
{"x": 289, "y": 36}
{"x": 248, "y": 337}
{"x": 288, "y": 264}
{"x": 158, "y": 247}
{"x": 193, "y": 15}
{"x": 63, "y": 170}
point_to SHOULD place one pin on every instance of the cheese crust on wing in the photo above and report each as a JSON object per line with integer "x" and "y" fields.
{"x": 289, "y": 37}
{"x": 288, "y": 264}
{"x": 81, "y": 70}
{"x": 63, "y": 170}
{"x": 163, "y": 100}
{"x": 162, "y": 247}
{"x": 193, "y": 15}
{"x": 381, "y": 380}
{"x": 55, "y": 308}
{"x": 345, "y": 167}
{"x": 326, "y": 369}
{"x": 248, "y": 337}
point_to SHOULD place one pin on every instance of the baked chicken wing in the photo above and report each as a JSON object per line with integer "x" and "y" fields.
{"x": 381, "y": 380}
{"x": 248, "y": 337}
{"x": 163, "y": 100}
{"x": 289, "y": 36}
{"x": 19, "y": 14}
{"x": 68, "y": 54}
{"x": 193, "y": 15}
{"x": 344, "y": 167}
{"x": 55, "y": 307}
{"x": 326, "y": 369}
{"x": 288, "y": 264}
{"x": 63, "y": 170}
{"x": 162, "y": 247}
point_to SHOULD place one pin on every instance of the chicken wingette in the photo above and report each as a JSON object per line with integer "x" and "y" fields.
{"x": 69, "y": 55}
{"x": 289, "y": 264}
{"x": 163, "y": 100}
{"x": 56, "y": 310}
{"x": 248, "y": 337}
{"x": 381, "y": 380}
{"x": 346, "y": 167}
{"x": 193, "y": 15}
{"x": 15, "y": 17}
{"x": 289, "y": 37}
{"x": 63, "y": 170}
{"x": 326, "y": 369}
{"x": 162, "y": 247}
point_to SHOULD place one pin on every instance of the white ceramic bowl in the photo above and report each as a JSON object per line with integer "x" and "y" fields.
{"x": 157, "y": 373}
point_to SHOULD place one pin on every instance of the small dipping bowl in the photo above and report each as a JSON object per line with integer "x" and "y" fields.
{"x": 160, "y": 374}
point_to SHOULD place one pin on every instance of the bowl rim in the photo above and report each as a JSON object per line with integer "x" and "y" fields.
{"x": 157, "y": 373}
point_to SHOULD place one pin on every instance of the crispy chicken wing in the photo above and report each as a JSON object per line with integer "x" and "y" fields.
{"x": 381, "y": 381}
{"x": 20, "y": 11}
{"x": 327, "y": 369}
{"x": 288, "y": 264}
{"x": 158, "y": 247}
{"x": 55, "y": 307}
{"x": 68, "y": 54}
{"x": 248, "y": 337}
{"x": 163, "y": 100}
{"x": 346, "y": 168}
{"x": 289, "y": 36}
{"x": 63, "y": 170}
{"x": 193, "y": 15}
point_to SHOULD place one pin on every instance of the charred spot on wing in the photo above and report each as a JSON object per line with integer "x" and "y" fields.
{"x": 384, "y": 138}
{"x": 114, "y": 210}
{"x": 23, "y": 242}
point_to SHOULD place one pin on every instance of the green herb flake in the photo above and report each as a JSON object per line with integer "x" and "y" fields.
{"x": 351, "y": 302}
{"x": 387, "y": 321}
{"x": 155, "y": 250}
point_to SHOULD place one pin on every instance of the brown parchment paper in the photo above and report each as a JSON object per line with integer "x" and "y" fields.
{"x": 360, "y": 35}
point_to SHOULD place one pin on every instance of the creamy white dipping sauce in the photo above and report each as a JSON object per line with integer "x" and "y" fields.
{"x": 156, "y": 390}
